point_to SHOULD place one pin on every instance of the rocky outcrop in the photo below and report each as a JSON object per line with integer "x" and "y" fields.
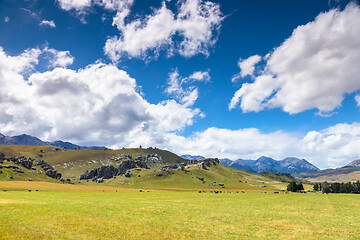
{"x": 2, "y": 157}
{"x": 53, "y": 174}
{"x": 107, "y": 172}
{"x": 205, "y": 162}
{"x": 175, "y": 166}
{"x": 124, "y": 166}
{"x": 24, "y": 161}
{"x": 44, "y": 165}
{"x": 128, "y": 173}
{"x": 29, "y": 163}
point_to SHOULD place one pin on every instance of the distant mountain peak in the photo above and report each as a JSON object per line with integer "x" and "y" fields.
{"x": 25, "y": 139}
{"x": 267, "y": 164}
{"x": 191, "y": 157}
{"x": 355, "y": 163}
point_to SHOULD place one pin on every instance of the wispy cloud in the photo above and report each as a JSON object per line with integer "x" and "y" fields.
{"x": 42, "y": 22}
{"x": 182, "y": 88}
{"x": 47, "y": 23}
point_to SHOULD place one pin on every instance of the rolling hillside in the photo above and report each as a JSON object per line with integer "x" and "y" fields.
{"x": 168, "y": 171}
{"x": 348, "y": 173}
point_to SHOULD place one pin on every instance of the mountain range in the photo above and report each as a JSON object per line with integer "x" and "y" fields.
{"x": 348, "y": 173}
{"x": 266, "y": 164}
{"x": 25, "y": 139}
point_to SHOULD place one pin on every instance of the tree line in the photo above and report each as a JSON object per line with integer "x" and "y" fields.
{"x": 326, "y": 187}
{"x": 336, "y": 187}
{"x": 294, "y": 187}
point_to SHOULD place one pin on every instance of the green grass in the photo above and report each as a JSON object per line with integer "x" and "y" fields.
{"x": 176, "y": 215}
{"x": 232, "y": 179}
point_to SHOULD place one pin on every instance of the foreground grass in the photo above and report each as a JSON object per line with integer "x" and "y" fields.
{"x": 125, "y": 214}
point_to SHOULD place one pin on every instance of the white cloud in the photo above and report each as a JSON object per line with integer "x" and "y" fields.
{"x": 116, "y": 5}
{"x": 83, "y": 7}
{"x": 332, "y": 147}
{"x": 314, "y": 68}
{"x": 59, "y": 58}
{"x": 200, "y": 76}
{"x": 77, "y": 5}
{"x": 247, "y": 66}
{"x": 96, "y": 104}
{"x": 99, "y": 105}
{"x": 47, "y": 23}
{"x": 186, "y": 95}
{"x": 196, "y": 23}
{"x": 357, "y": 99}
{"x": 6, "y": 19}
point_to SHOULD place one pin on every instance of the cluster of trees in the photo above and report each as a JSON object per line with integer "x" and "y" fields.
{"x": 349, "y": 187}
{"x": 294, "y": 187}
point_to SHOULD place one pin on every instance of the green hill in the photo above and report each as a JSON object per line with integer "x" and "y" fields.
{"x": 73, "y": 163}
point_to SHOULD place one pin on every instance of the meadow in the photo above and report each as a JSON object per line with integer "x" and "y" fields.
{"x": 58, "y": 211}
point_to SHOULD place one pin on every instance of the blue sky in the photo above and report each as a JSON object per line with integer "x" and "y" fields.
{"x": 159, "y": 73}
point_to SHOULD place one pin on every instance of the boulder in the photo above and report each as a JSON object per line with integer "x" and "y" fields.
{"x": 2, "y": 157}
{"x": 88, "y": 174}
{"x": 128, "y": 173}
{"x": 200, "y": 178}
{"x": 124, "y": 166}
{"x": 105, "y": 172}
{"x": 53, "y": 174}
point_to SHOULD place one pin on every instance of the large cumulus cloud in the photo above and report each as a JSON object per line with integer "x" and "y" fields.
{"x": 196, "y": 24}
{"x": 98, "y": 103}
{"x": 313, "y": 69}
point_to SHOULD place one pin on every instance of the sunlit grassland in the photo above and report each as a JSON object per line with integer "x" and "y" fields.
{"x": 116, "y": 213}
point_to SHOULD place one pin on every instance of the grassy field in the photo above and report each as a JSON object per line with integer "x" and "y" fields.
{"x": 60, "y": 211}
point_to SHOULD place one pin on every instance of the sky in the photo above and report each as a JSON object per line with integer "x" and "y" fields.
{"x": 217, "y": 78}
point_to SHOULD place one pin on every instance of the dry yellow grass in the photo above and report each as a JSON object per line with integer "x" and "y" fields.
{"x": 60, "y": 187}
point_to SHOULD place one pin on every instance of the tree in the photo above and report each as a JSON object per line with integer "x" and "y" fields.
{"x": 335, "y": 188}
{"x": 325, "y": 187}
{"x": 316, "y": 187}
{"x": 299, "y": 187}
{"x": 292, "y": 187}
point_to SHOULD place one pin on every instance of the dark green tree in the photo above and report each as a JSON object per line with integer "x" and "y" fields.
{"x": 299, "y": 187}
{"x": 325, "y": 187}
{"x": 292, "y": 187}
{"x": 335, "y": 188}
{"x": 316, "y": 187}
